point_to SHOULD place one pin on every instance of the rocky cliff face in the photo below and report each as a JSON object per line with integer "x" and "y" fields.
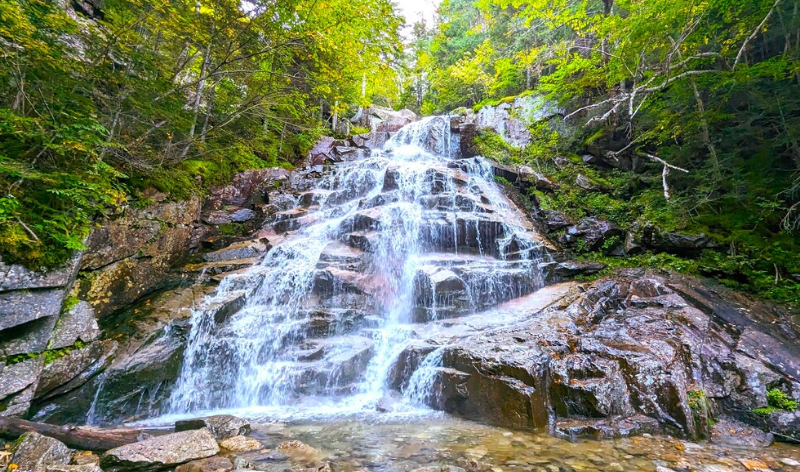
{"x": 59, "y": 330}
{"x": 103, "y": 338}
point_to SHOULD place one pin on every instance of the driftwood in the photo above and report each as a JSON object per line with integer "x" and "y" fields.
{"x": 77, "y": 437}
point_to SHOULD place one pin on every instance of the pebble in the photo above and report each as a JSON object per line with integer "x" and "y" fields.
{"x": 790, "y": 462}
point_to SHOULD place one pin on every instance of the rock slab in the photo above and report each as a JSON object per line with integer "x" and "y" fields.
{"x": 161, "y": 452}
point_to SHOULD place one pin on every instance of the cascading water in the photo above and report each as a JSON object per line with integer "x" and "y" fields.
{"x": 378, "y": 249}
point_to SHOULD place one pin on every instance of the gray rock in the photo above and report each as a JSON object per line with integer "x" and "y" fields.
{"x": 243, "y": 215}
{"x": 221, "y": 426}
{"x": 37, "y": 453}
{"x": 16, "y": 377}
{"x": 75, "y": 468}
{"x": 21, "y": 307}
{"x": 76, "y": 324}
{"x": 161, "y": 452}
{"x": 17, "y": 277}
{"x": 64, "y": 369}
{"x": 734, "y": 433}
{"x": 31, "y": 337}
{"x": 245, "y": 250}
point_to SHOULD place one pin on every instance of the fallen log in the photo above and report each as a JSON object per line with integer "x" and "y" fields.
{"x": 77, "y": 437}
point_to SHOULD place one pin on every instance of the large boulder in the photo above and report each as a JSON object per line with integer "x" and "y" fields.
{"x": 591, "y": 234}
{"x": 37, "y": 453}
{"x": 161, "y": 452}
{"x": 375, "y": 140}
{"x": 633, "y": 353}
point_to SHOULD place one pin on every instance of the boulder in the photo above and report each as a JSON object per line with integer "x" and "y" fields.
{"x": 554, "y": 220}
{"x": 678, "y": 243}
{"x": 467, "y": 146}
{"x": 322, "y": 152}
{"x": 212, "y": 464}
{"x": 161, "y": 452}
{"x": 374, "y": 140}
{"x": 590, "y": 234}
{"x": 240, "y": 444}
{"x": 221, "y": 426}
{"x": 37, "y": 453}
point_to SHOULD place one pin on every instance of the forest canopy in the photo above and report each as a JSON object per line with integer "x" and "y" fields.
{"x": 101, "y": 99}
{"x": 703, "y": 97}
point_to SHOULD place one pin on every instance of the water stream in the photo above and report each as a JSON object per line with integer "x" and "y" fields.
{"x": 378, "y": 249}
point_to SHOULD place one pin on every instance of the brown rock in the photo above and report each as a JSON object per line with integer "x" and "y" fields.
{"x": 212, "y": 464}
{"x": 240, "y": 444}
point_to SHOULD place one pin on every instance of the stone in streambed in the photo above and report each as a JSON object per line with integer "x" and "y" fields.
{"x": 37, "y": 453}
{"x": 221, "y": 426}
{"x": 240, "y": 444}
{"x": 75, "y": 468}
{"x": 212, "y": 464}
{"x": 161, "y": 452}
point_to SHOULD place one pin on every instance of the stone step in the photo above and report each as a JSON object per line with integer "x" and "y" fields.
{"x": 442, "y": 292}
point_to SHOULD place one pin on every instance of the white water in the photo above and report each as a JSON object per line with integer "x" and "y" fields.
{"x": 430, "y": 222}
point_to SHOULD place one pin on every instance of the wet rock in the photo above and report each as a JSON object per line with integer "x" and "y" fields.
{"x": 734, "y": 433}
{"x": 298, "y": 450}
{"x": 371, "y": 140}
{"x": 240, "y": 444}
{"x": 322, "y": 152}
{"x": 36, "y": 453}
{"x": 161, "y": 452}
{"x": 468, "y": 146}
{"x": 244, "y": 250}
{"x": 607, "y": 428}
{"x": 212, "y": 464}
{"x": 221, "y": 426}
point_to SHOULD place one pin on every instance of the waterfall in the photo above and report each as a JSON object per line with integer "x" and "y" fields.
{"x": 379, "y": 249}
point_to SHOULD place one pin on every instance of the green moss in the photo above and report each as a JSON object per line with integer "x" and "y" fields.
{"x": 53, "y": 354}
{"x": 777, "y": 401}
{"x": 16, "y": 359}
{"x": 70, "y": 303}
{"x": 492, "y": 146}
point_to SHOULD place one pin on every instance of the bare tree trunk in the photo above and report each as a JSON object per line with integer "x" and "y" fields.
{"x": 197, "y": 100}
{"x": 83, "y": 437}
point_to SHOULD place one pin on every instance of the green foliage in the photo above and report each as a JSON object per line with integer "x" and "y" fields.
{"x": 777, "y": 401}
{"x": 173, "y": 95}
{"x": 492, "y": 146}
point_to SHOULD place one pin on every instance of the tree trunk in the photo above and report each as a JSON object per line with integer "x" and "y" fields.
{"x": 81, "y": 437}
